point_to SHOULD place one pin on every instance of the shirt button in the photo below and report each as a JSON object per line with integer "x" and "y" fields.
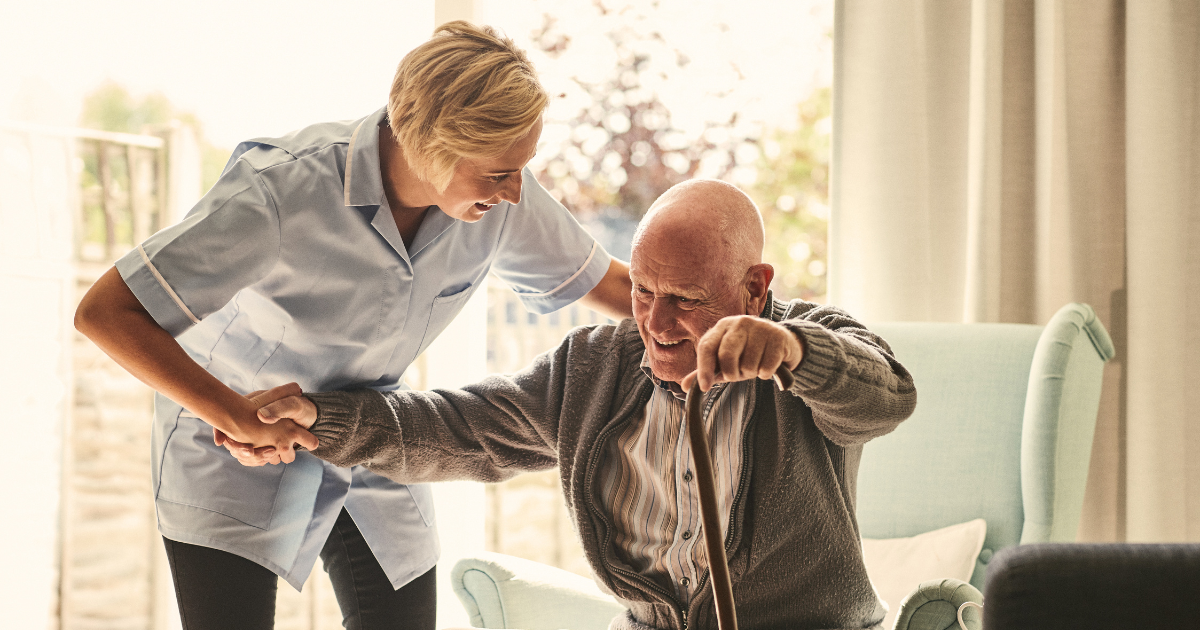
{"x": 687, "y": 476}
{"x": 684, "y": 582}
{"x": 687, "y": 535}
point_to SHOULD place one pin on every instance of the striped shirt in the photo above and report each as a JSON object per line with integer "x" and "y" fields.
{"x": 648, "y": 487}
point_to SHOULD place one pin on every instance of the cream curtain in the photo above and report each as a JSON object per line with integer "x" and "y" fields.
{"x": 996, "y": 159}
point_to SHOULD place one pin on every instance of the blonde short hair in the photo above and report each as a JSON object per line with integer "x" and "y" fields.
{"x": 467, "y": 92}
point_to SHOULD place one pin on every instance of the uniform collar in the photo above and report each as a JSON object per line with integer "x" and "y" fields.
{"x": 364, "y": 181}
{"x": 364, "y": 190}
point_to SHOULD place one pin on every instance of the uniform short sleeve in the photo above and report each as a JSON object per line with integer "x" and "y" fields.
{"x": 547, "y": 258}
{"x": 228, "y": 241}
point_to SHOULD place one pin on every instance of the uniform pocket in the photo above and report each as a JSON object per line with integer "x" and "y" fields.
{"x": 390, "y": 496}
{"x": 445, "y": 308}
{"x": 198, "y": 473}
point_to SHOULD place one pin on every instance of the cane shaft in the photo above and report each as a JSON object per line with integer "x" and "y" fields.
{"x": 710, "y": 518}
{"x": 714, "y": 539}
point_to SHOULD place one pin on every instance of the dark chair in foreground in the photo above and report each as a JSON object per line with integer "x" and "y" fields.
{"x": 1093, "y": 586}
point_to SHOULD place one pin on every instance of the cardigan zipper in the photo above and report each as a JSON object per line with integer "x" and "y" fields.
{"x": 593, "y": 463}
{"x": 737, "y": 497}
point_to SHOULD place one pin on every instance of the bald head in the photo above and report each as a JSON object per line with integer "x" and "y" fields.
{"x": 709, "y": 216}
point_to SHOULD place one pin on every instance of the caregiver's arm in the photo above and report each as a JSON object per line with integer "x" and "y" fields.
{"x": 612, "y": 296}
{"x": 113, "y": 318}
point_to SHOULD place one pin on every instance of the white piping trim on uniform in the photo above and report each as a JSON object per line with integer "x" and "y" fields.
{"x": 350, "y": 162}
{"x": 595, "y": 247}
{"x": 167, "y": 287}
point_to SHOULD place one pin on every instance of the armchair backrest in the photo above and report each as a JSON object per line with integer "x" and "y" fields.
{"x": 1002, "y": 431}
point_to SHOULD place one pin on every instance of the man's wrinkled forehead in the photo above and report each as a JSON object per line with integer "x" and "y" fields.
{"x": 679, "y": 267}
{"x": 687, "y": 281}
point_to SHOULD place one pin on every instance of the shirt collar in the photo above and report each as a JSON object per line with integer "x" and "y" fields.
{"x": 670, "y": 387}
{"x": 364, "y": 181}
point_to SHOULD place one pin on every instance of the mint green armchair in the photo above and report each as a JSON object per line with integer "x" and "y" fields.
{"x": 1002, "y": 431}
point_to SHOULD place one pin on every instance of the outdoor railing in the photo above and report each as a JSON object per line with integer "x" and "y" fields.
{"x": 72, "y": 201}
{"x": 123, "y": 188}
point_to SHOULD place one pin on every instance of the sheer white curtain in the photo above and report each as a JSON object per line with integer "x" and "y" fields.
{"x": 996, "y": 159}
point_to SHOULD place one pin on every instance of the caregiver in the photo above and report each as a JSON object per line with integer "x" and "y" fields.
{"x": 332, "y": 257}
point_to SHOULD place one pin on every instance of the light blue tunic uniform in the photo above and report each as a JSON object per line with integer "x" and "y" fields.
{"x": 291, "y": 269}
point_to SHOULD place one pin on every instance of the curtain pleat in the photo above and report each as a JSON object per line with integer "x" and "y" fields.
{"x": 1163, "y": 219}
{"x": 983, "y": 159}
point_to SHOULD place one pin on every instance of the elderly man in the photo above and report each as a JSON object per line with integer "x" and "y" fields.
{"x": 606, "y": 407}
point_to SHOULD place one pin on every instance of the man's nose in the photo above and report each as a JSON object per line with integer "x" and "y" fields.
{"x": 511, "y": 192}
{"x": 662, "y": 316}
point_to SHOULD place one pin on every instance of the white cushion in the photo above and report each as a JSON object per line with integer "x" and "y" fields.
{"x": 897, "y": 565}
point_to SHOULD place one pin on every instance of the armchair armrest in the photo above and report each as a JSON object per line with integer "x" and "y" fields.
{"x": 934, "y": 606}
{"x": 500, "y": 591}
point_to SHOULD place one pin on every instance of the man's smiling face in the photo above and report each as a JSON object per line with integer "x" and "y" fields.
{"x": 681, "y": 287}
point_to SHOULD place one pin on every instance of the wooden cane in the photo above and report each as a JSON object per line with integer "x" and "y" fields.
{"x": 714, "y": 538}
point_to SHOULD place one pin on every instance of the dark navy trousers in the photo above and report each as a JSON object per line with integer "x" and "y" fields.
{"x": 218, "y": 590}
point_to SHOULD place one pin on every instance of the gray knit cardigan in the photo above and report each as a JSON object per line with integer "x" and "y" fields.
{"x": 793, "y": 543}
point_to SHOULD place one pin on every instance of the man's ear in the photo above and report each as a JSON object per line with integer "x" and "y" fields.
{"x": 755, "y": 286}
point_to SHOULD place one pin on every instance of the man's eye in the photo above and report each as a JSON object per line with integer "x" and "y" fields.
{"x": 643, "y": 290}
{"x": 496, "y": 179}
{"x": 683, "y": 300}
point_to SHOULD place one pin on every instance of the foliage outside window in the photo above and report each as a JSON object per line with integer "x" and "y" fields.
{"x": 620, "y": 149}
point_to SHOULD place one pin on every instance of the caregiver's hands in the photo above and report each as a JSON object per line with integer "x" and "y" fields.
{"x": 285, "y": 403}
